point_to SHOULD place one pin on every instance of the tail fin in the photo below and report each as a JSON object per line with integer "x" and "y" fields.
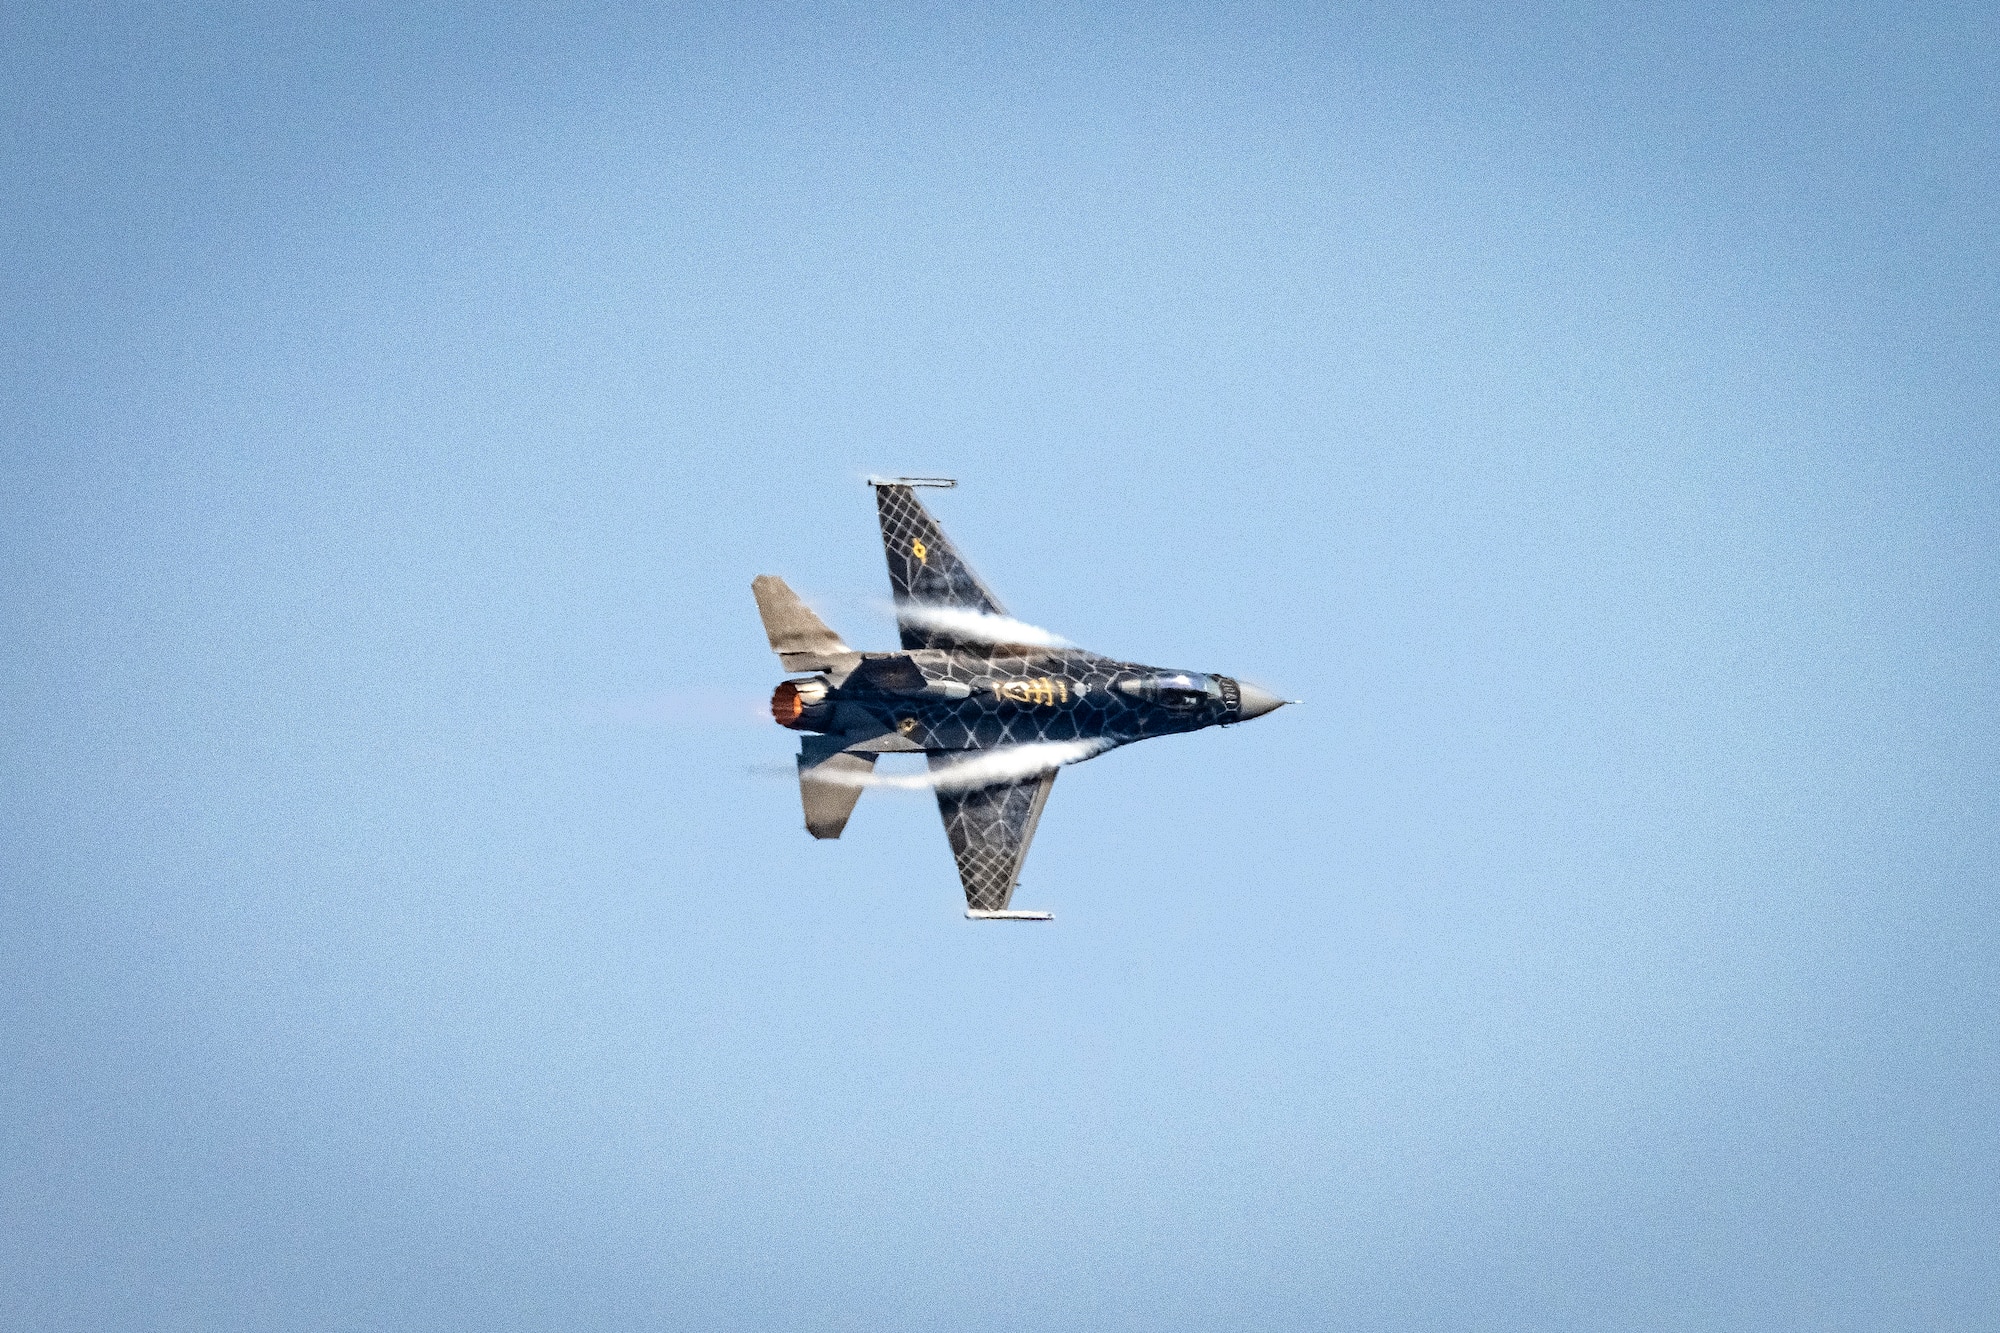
{"x": 925, "y": 569}
{"x": 799, "y": 638}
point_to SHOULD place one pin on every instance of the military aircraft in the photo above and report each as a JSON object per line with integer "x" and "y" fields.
{"x": 995, "y": 705}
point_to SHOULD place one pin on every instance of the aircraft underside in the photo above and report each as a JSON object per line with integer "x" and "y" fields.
{"x": 996, "y": 712}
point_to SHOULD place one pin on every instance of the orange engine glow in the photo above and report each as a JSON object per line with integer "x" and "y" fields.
{"x": 786, "y": 705}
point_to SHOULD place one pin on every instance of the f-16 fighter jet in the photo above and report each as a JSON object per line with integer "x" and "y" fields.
{"x": 996, "y": 706}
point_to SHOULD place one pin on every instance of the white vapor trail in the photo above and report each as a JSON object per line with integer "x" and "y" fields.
{"x": 976, "y": 626}
{"x": 983, "y": 768}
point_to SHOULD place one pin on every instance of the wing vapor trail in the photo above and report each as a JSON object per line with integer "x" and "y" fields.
{"x": 969, "y": 626}
{"x": 983, "y": 768}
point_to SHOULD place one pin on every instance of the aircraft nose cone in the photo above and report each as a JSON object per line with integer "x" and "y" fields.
{"x": 1258, "y": 702}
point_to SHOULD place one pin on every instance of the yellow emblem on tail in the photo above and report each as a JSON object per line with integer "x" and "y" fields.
{"x": 917, "y": 549}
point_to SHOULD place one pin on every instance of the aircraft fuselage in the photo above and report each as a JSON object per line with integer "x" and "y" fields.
{"x": 959, "y": 699}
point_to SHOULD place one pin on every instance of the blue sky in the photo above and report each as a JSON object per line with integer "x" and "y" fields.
{"x": 1590, "y": 413}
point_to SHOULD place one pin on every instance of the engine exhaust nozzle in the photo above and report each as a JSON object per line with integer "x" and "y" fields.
{"x": 794, "y": 700}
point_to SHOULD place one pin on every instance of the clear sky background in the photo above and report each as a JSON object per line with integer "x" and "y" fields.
{"x": 408, "y": 923}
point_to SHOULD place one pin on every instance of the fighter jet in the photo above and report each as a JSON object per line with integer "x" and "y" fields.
{"x": 996, "y": 706}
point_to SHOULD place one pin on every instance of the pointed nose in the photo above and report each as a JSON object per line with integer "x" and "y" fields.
{"x": 1258, "y": 702}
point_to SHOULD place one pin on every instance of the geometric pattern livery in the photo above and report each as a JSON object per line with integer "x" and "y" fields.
{"x": 925, "y": 568}
{"x": 990, "y": 829}
{"x": 953, "y": 698}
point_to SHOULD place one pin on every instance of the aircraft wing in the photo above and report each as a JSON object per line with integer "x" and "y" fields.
{"x": 990, "y": 829}
{"x": 925, "y": 569}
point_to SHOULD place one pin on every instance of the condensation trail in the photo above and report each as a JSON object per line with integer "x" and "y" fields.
{"x": 968, "y": 626}
{"x": 983, "y": 768}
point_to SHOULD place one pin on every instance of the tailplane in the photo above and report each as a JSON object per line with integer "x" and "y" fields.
{"x": 830, "y": 783}
{"x": 799, "y": 638}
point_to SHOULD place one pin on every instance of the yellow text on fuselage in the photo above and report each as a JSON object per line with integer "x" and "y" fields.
{"x": 1040, "y": 692}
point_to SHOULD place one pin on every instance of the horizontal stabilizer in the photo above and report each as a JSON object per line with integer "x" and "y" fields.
{"x": 799, "y": 638}
{"x": 974, "y": 914}
{"x": 830, "y": 782}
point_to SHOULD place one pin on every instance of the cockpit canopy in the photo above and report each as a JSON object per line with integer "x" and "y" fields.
{"x": 1179, "y": 690}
